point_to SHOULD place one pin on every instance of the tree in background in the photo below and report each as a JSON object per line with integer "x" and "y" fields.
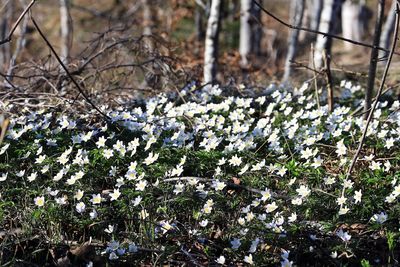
{"x": 257, "y": 30}
{"x": 374, "y": 58}
{"x": 245, "y": 31}
{"x": 312, "y": 17}
{"x": 387, "y": 31}
{"x": 352, "y": 22}
{"x": 296, "y": 13}
{"x": 148, "y": 23}
{"x": 211, "y": 42}
{"x": 66, "y": 30}
{"x": 6, "y": 23}
{"x": 328, "y": 18}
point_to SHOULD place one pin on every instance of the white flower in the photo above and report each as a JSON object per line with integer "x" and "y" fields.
{"x": 144, "y": 214}
{"x": 101, "y": 142}
{"x": 137, "y": 201}
{"x": 334, "y": 254}
{"x": 39, "y": 201}
{"x": 109, "y": 229}
{"x": 96, "y": 199}
{"x": 203, "y": 223}
{"x": 79, "y": 195}
{"x": 249, "y": 259}
{"x": 220, "y": 260}
{"x": 218, "y": 186}
{"x": 266, "y": 194}
{"x": 93, "y": 214}
{"x": 357, "y": 196}
{"x": 179, "y": 188}
{"x": 343, "y": 210}
{"x": 286, "y": 263}
{"x": 341, "y": 149}
{"x": 375, "y": 165}
{"x": 20, "y": 173}
{"x": 235, "y": 243}
{"x": 389, "y": 142}
{"x": 307, "y": 153}
{"x": 108, "y": 153}
{"x": 151, "y": 158}
{"x": 141, "y": 185}
{"x": 115, "y": 194}
{"x": 235, "y": 161}
{"x": 329, "y": 180}
{"x": 40, "y": 159}
{"x": 317, "y": 162}
{"x": 303, "y": 191}
{"x": 341, "y": 200}
{"x": 254, "y": 245}
{"x": 3, "y": 177}
{"x": 380, "y": 218}
{"x": 271, "y": 207}
{"x": 221, "y": 162}
{"x": 293, "y": 217}
{"x": 348, "y": 184}
{"x": 32, "y": 177}
{"x": 241, "y": 221}
{"x": 343, "y": 235}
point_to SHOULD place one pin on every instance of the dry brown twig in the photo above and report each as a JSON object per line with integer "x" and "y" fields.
{"x": 371, "y": 112}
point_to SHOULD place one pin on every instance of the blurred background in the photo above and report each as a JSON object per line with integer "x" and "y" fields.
{"x": 119, "y": 49}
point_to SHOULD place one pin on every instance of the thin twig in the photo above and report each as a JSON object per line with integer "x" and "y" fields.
{"x": 8, "y": 39}
{"x": 68, "y": 73}
{"x": 371, "y": 112}
{"x": 319, "y": 32}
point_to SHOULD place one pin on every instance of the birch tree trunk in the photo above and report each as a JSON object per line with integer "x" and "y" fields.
{"x": 327, "y": 23}
{"x": 148, "y": 23}
{"x": 211, "y": 43}
{"x": 312, "y": 18}
{"x": 374, "y": 58}
{"x": 245, "y": 32}
{"x": 297, "y": 13}
{"x": 66, "y": 30}
{"x": 387, "y": 31}
{"x": 352, "y": 24}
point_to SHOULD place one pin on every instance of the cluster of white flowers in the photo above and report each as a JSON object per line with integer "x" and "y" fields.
{"x": 269, "y": 137}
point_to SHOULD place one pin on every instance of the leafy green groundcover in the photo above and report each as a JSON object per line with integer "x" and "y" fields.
{"x": 203, "y": 179}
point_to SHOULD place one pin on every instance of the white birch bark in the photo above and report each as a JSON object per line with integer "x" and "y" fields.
{"x": 387, "y": 31}
{"x": 311, "y": 18}
{"x": 245, "y": 31}
{"x": 328, "y": 17}
{"x": 147, "y": 23}
{"x": 211, "y": 43}
{"x": 66, "y": 30}
{"x": 315, "y": 13}
{"x": 352, "y": 26}
{"x": 297, "y": 13}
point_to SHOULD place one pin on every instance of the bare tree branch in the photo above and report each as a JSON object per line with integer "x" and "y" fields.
{"x": 8, "y": 39}
{"x": 319, "y": 32}
{"x": 68, "y": 73}
{"x": 371, "y": 112}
